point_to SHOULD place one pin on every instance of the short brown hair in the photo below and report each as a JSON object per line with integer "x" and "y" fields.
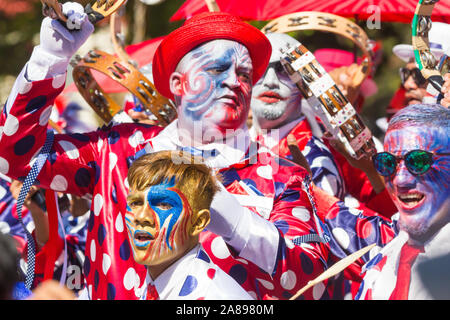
{"x": 192, "y": 176}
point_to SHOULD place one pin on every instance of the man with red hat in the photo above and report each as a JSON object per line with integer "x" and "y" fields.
{"x": 261, "y": 220}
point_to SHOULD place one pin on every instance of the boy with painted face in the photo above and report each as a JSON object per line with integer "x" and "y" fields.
{"x": 261, "y": 215}
{"x": 168, "y": 208}
{"x": 417, "y": 173}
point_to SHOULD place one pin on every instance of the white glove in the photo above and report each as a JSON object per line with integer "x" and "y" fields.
{"x": 56, "y": 39}
{"x": 58, "y": 44}
{"x": 226, "y": 212}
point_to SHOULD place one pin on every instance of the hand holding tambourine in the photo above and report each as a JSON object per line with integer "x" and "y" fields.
{"x": 96, "y": 12}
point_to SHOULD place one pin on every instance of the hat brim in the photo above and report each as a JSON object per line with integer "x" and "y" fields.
{"x": 406, "y": 52}
{"x": 213, "y": 27}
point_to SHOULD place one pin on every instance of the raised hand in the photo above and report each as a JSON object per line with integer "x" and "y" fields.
{"x": 57, "y": 39}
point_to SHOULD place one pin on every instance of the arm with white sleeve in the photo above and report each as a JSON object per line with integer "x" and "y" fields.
{"x": 24, "y": 120}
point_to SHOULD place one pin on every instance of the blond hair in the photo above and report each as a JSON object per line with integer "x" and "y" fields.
{"x": 190, "y": 174}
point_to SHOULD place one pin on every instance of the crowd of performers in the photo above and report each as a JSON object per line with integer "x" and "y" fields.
{"x": 219, "y": 204}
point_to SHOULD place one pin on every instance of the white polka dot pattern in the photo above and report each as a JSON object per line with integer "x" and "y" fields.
{"x": 341, "y": 237}
{"x": 106, "y": 263}
{"x": 264, "y": 172}
{"x": 70, "y": 149}
{"x": 11, "y": 125}
{"x": 219, "y": 248}
{"x": 45, "y": 116}
{"x": 93, "y": 251}
{"x": 301, "y": 213}
{"x": 119, "y": 223}
{"x": 58, "y": 81}
{"x": 318, "y": 291}
{"x": 98, "y": 204}
{"x": 4, "y": 165}
{"x": 288, "y": 280}
{"x": 59, "y": 183}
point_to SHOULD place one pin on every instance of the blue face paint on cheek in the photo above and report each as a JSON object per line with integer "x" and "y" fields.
{"x": 434, "y": 184}
{"x": 160, "y": 194}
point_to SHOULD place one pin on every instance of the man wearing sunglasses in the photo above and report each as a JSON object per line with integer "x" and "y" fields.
{"x": 412, "y": 81}
{"x": 416, "y": 169}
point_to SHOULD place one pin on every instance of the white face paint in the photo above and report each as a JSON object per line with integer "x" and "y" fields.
{"x": 276, "y": 99}
{"x": 215, "y": 90}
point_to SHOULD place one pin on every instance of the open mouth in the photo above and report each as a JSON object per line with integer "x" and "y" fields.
{"x": 411, "y": 200}
{"x": 141, "y": 238}
{"x": 270, "y": 97}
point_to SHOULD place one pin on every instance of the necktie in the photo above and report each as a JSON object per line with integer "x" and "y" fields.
{"x": 152, "y": 294}
{"x": 408, "y": 255}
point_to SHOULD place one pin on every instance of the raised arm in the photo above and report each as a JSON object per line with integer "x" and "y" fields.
{"x": 25, "y": 116}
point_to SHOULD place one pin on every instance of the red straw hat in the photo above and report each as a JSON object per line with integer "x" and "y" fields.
{"x": 202, "y": 28}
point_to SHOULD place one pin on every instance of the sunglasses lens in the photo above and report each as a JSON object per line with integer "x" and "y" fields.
{"x": 385, "y": 163}
{"x": 418, "y": 161}
{"x": 404, "y": 74}
{"x": 418, "y": 77}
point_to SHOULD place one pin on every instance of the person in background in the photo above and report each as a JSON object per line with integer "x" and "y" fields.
{"x": 413, "y": 88}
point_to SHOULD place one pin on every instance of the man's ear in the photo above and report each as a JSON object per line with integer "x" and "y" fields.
{"x": 176, "y": 83}
{"x": 202, "y": 220}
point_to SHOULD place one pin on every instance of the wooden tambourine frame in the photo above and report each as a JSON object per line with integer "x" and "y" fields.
{"x": 126, "y": 75}
{"x": 327, "y": 22}
{"x": 327, "y": 101}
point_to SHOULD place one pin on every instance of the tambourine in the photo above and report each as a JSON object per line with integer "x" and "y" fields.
{"x": 126, "y": 75}
{"x": 428, "y": 65}
{"x": 327, "y": 101}
{"x": 117, "y": 37}
{"x": 327, "y": 22}
{"x": 97, "y": 11}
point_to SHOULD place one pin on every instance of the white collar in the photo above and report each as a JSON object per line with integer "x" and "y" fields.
{"x": 438, "y": 244}
{"x": 231, "y": 151}
{"x": 171, "y": 278}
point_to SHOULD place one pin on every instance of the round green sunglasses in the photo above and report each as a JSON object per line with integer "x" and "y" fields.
{"x": 416, "y": 161}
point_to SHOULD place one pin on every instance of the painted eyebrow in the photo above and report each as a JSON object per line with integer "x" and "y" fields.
{"x": 134, "y": 196}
